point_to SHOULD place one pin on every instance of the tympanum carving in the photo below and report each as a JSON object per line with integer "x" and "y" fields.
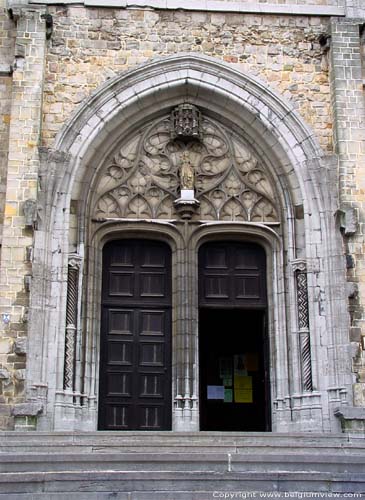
{"x": 145, "y": 176}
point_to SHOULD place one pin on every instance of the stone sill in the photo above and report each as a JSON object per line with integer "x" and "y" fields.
{"x": 351, "y": 413}
{"x": 6, "y": 70}
{"x": 207, "y": 5}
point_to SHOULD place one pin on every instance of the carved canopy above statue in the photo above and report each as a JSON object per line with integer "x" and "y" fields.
{"x": 144, "y": 176}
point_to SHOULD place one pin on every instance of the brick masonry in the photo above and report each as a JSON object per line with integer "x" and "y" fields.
{"x": 90, "y": 45}
{"x": 7, "y": 35}
{"x": 347, "y": 63}
{"x": 23, "y": 120}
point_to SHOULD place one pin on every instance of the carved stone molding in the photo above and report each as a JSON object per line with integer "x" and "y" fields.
{"x": 74, "y": 261}
{"x": 299, "y": 265}
{"x": 185, "y": 122}
{"x": 143, "y": 178}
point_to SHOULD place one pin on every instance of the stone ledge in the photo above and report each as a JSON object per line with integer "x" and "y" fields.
{"x": 27, "y": 409}
{"x": 6, "y": 70}
{"x": 352, "y": 419}
{"x": 207, "y": 5}
{"x": 351, "y": 413}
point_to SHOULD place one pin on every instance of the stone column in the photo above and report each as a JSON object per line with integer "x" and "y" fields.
{"x": 303, "y": 323}
{"x": 348, "y": 104}
{"x": 71, "y": 322}
{"x": 22, "y": 172}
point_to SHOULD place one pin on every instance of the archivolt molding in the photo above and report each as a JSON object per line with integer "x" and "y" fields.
{"x": 269, "y": 122}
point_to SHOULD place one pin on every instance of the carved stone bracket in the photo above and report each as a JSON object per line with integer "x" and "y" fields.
{"x": 74, "y": 264}
{"x": 30, "y": 212}
{"x": 186, "y": 207}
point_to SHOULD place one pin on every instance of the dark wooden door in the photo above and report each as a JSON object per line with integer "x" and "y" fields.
{"x": 232, "y": 274}
{"x": 135, "y": 352}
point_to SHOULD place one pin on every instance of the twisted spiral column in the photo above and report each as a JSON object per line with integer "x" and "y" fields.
{"x": 303, "y": 321}
{"x": 71, "y": 322}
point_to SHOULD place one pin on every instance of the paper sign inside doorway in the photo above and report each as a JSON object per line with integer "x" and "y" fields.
{"x": 228, "y": 395}
{"x": 243, "y": 389}
{"x": 239, "y": 362}
{"x": 215, "y": 392}
{"x": 225, "y": 367}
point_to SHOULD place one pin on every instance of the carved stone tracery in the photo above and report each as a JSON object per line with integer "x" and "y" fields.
{"x": 143, "y": 178}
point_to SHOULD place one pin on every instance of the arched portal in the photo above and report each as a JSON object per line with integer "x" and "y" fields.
{"x": 186, "y": 150}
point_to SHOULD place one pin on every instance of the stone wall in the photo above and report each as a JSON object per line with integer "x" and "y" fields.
{"x": 7, "y": 35}
{"x": 90, "y": 45}
{"x": 349, "y": 112}
{"x": 24, "y": 116}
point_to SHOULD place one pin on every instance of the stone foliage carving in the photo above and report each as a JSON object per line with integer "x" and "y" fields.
{"x": 142, "y": 179}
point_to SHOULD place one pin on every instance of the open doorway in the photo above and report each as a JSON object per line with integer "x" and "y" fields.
{"x": 234, "y": 388}
{"x": 233, "y": 344}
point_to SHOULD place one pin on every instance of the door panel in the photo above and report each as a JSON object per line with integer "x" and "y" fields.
{"x": 232, "y": 274}
{"x": 135, "y": 366}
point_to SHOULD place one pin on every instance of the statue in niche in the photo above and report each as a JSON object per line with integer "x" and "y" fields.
{"x": 186, "y": 172}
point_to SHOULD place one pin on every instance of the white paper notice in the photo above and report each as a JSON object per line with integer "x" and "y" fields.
{"x": 215, "y": 392}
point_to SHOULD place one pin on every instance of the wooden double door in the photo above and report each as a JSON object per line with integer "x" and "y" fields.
{"x": 135, "y": 353}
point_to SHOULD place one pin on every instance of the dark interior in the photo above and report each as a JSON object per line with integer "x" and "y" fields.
{"x": 234, "y": 391}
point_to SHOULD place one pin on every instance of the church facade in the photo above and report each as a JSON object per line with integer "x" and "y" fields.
{"x": 182, "y": 213}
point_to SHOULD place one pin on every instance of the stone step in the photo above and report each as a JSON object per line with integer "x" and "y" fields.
{"x": 236, "y": 462}
{"x": 135, "y": 483}
{"x": 131, "y": 465}
{"x": 288, "y": 451}
{"x": 184, "y": 442}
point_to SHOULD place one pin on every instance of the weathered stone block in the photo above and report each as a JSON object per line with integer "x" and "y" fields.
{"x": 352, "y": 419}
{"x": 19, "y": 374}
{"x": 359, "y": 394}
{"x": 4, "y": 410}
{"x": 20, "y": 346}
{"x": 27, "y": 409}
{"x": 4, "y": 374}
{"x": 355, "y": 334}
{"x": 5, "y": 346}
{"x": 352, "y": 290}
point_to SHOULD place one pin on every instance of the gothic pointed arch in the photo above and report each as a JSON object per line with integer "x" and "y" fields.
{"x": 253, "y": 171}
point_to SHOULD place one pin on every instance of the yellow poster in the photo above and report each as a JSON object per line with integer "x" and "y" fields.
{"x": 243, "y": 389}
